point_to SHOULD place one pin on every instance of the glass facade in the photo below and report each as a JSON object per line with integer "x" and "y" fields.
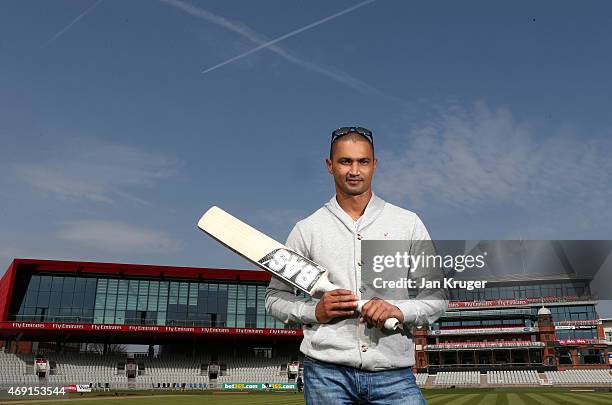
{"x": 62, "y": 298}
{"x": 482, "y": 323}
{"x": 572, "y": 313}
{"x": 559, "y": 313}
{"x": 68, "y": 298}
{"x": 564, "y": 289}
{"x": 577, "y": 334}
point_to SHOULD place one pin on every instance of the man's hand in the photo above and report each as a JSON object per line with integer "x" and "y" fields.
{"x": 335, "y": 303}
{"x": 376, "y": 311}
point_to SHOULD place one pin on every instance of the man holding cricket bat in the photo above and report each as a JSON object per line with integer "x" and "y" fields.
{"x": 350, "y": 359}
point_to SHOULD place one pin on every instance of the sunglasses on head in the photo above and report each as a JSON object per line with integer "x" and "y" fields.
{"x": 366, "y": 133}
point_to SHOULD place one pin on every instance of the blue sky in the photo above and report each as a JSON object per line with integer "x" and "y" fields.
{"x": 491, "y": 121}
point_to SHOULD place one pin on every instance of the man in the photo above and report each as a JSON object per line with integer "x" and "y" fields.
{"x": 350, "y": 360}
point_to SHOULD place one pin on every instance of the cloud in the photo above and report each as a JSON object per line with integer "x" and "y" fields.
{"x": 117, "y": 237}
{"x": 56, "y": 181}
{"x": 278, "y": 222}
{"x": 263, "y": 42}
{"x": 472, "y": 158}
{"x": 96, "y": 171}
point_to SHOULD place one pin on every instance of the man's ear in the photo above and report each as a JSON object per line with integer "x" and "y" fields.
{"x": 329, "y": 165}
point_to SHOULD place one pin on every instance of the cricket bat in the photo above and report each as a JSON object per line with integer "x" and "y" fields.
{"x": 283, "y": 263}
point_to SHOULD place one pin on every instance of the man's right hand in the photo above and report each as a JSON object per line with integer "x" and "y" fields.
{"x": 335, "y": 303}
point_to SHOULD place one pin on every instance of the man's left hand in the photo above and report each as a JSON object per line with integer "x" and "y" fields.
{"x": 376, "y": 311}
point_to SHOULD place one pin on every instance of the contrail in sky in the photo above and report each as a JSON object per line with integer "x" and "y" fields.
{"x": 265, "y": 43}
{"x": 67, "y": 27}
{"x": 289, "y": 35}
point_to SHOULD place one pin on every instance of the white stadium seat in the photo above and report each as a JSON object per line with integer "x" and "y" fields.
{"x": 513, "y": 377}
{"x": 579, "y": 377}
{"x": 458, "y": 378}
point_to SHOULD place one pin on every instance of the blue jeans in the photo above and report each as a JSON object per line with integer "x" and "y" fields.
{"x": 326, "y": 383}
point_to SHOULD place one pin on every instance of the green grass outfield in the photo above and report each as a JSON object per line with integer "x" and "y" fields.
{"x": 484, "y": 396}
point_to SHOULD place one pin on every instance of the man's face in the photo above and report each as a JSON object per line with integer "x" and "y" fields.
{"x": 352, "y": 166}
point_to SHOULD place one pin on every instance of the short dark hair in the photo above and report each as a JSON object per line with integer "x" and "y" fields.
{"x": 351, "y": 136}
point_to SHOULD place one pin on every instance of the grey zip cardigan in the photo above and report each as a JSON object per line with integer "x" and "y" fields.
{"x": 332, "y": 238}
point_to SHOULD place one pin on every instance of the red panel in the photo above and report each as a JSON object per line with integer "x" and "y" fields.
{"x": 47, "y": 267}
{"x": 488, "y": 303}
{"x": 501, "y": 325}
{"x": 103, "y": 329}
{"x": 516, "y": 302}
{"x": 6, "y": 291}
{"x": 580, "y": 341}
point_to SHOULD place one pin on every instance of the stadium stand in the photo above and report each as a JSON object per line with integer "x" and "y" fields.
{"x": 421, "y": 379}
{"x": 172, "y": 372}
{"x": 255, "y": 369}
{"x": 14, "y": 370}
{"x": 579, "y": 377}
{"x": 167, "y": 372}
{"x": 94, "y": 370}
{"x": 458, "y": 378}
{"x": 513, "y": 377}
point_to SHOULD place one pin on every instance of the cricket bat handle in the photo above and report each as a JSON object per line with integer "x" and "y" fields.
{"x": 390, "y": 324}
{"x": 324, "y": 285}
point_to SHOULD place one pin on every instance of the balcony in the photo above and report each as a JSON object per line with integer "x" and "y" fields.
{"x": 482, "y": 331}
{"x": 485, "y": 345}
